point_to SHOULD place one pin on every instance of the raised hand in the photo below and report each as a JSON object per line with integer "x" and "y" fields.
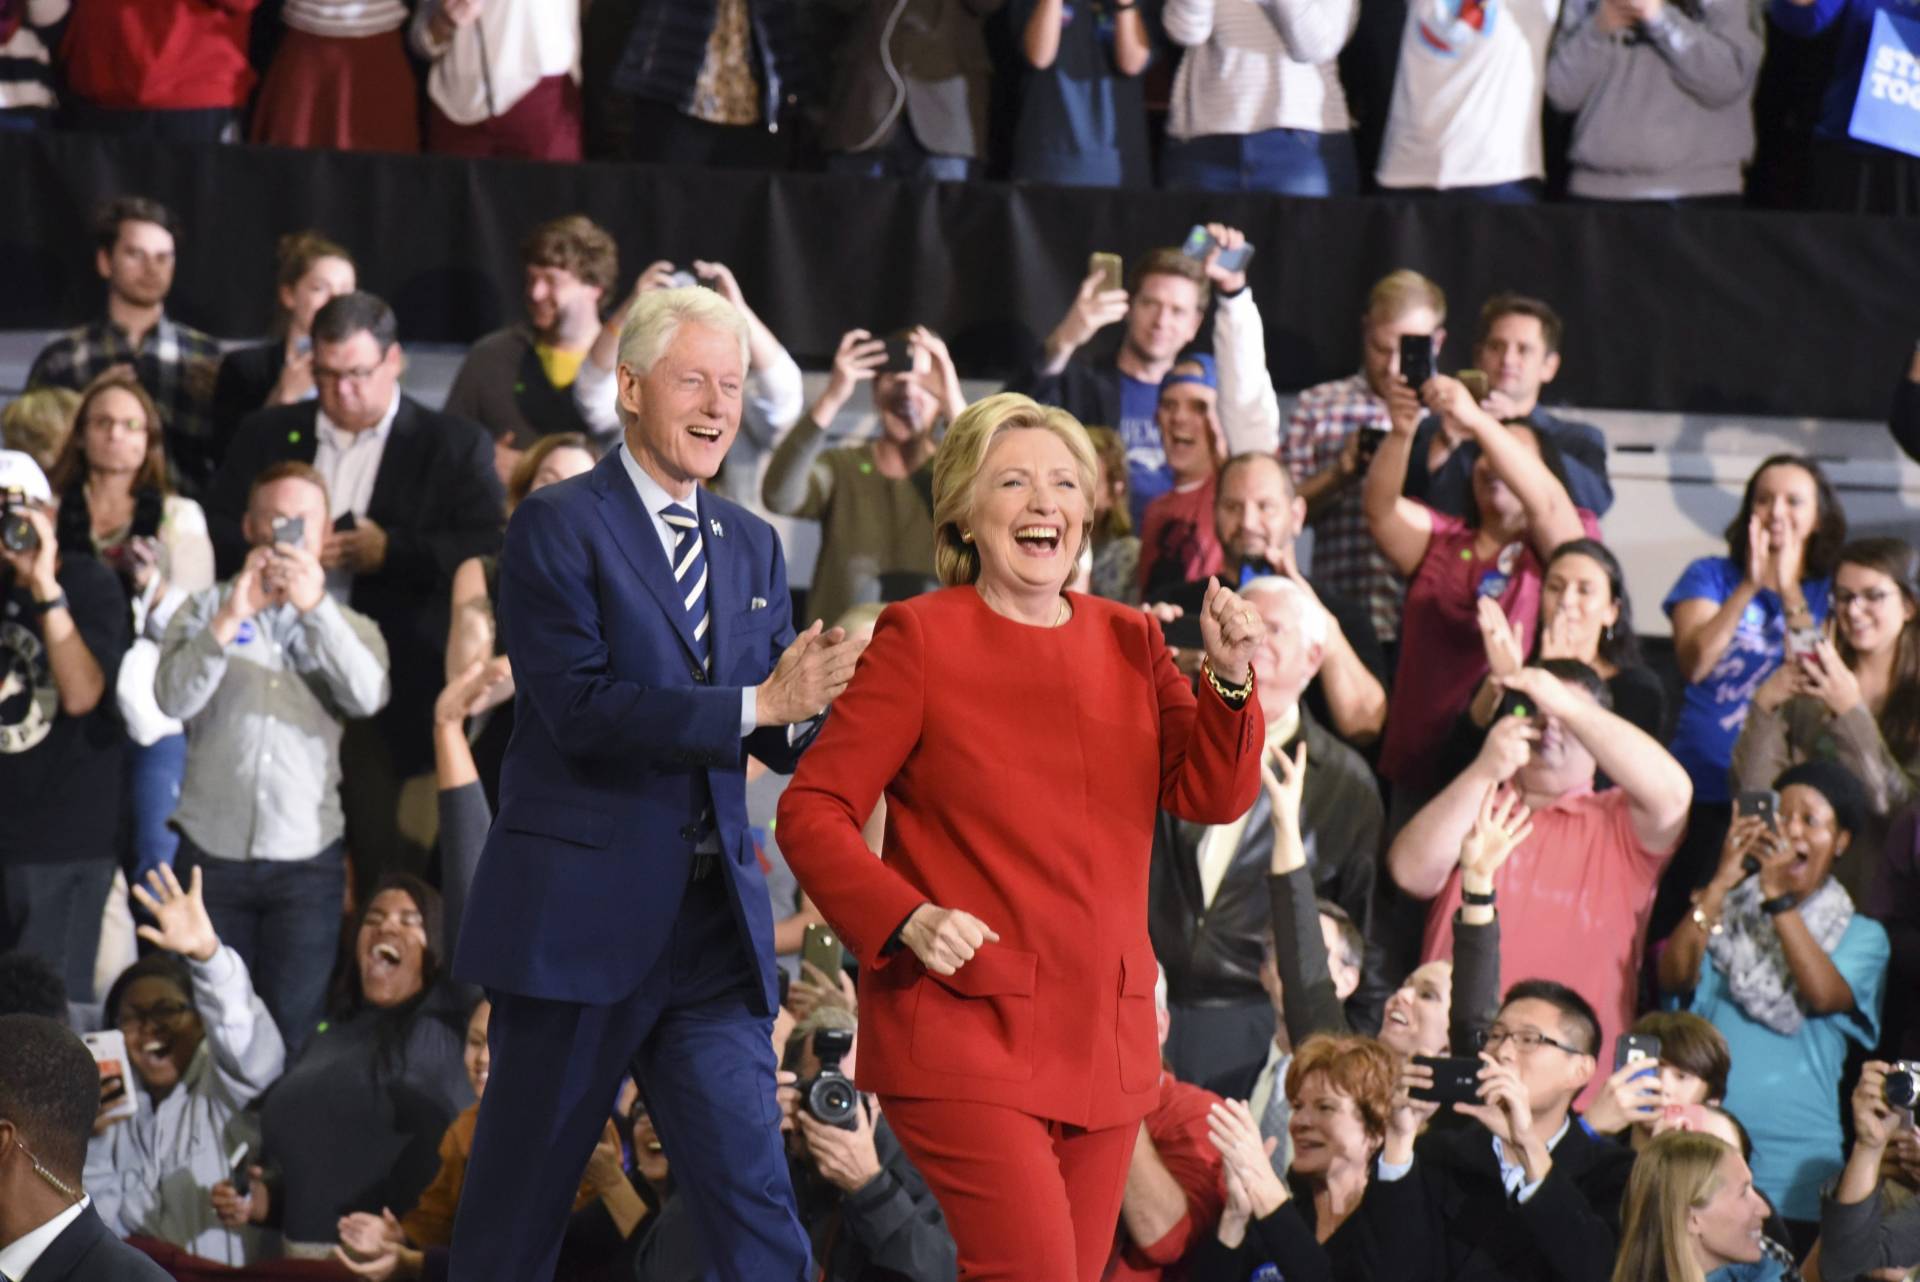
{"x": 1501, "y": 825}
{"x": 945, "y": 939}
{"x": 1508, "y": 746}
{"x": 1225, "y": 238}
{"x": 1231, "y": 1128}
{"x": 1500, "y": 639}
{"x": 1230, "y": 629}
{"x": 183, "y": 925}
{"x": 1506, "y": 1108}
{"x": 943, "y": 380}
{"x": 1094, "y": 308}
{"x": 1826, "y": 676}
{"x": 1631, "y": 1095}
{"x": 1759, "y": 550}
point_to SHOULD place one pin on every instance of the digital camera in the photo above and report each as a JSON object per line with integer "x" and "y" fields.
{"x": 1902, "y": 1089}
{"x": 16, "y": 531}
{"x": 829, "y": 1096}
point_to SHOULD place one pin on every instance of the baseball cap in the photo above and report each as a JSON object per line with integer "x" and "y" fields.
{"x": 18, "y": 471}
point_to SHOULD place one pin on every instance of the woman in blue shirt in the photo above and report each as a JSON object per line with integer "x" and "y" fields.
{"x": 1850, "y": 176}
{"x": 1778, "y": 960}
{"x": 1732, "y": 617}
{"x": 1083, "y": 115}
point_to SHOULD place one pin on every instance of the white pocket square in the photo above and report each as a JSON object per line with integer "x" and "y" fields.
{"x": 758, "y": 603}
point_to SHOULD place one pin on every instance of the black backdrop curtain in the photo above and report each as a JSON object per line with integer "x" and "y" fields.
{"x": 1695, "y": 310}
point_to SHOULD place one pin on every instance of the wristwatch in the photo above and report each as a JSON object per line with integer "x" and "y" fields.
{"x": 1778, "y": 904}
{"x": 1476, "y": 899}
{"x": 58, "y": 602}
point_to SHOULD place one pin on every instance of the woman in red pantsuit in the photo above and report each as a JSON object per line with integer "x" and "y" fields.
{"x": 1023, "y": 738}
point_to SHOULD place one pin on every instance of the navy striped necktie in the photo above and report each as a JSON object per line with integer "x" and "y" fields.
{"x": 690, "y": 573}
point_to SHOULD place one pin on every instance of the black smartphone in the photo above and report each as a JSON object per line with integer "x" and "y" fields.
{"x": 343, "y": 523}
{"x": 1636, "y": 1048}
{"x": 899, "y": 357}
{"x": 237, "y": 1169}
{"x": 1759, "y": 803}
{"x": 1513, "y": 704}
{"x": 1416, "y": 359}
{"x": 1456, "y": 1080}
{"x": 1371, "y": 439}
{"x": 291, "y": 530}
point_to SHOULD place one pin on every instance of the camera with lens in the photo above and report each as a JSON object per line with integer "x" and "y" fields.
{"x": 829, "y": 1095}
{"x": 16, "y": 531}
{"x": 1902, "y": 1088}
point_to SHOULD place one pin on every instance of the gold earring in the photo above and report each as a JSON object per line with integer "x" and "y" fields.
{"x": 966, "y": 536}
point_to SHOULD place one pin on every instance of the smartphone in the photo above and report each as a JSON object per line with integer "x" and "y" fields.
{"x": 237, "y": 1168}
{"x": 1200, "y": 243}
{"x": 290, "y": 530}
{"x": 1416, "y": 359}
{"x": 1371, "y": 439}
{"x": 344, "y": 522}
{"x": 1802, "y": 643}
{"x": 1635, "y": 1048}
{"x": 1113, "y": 271}
{"x": 899, "y": 357}
{"x": 822, "y": 947}
{"x": 1456, "y": 1080}
{"x": 117, "y": 1097}
{"x": 1513, "y": 704}
{"x": 1475, "y": 381}
{"x": 1762, "y": 804}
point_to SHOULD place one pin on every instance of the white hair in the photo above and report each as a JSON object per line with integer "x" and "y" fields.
{"x": 1312, "y": 622}
{"x": 656, "y": 317}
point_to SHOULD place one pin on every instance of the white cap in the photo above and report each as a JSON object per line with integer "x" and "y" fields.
{"x": 19, "y": 472}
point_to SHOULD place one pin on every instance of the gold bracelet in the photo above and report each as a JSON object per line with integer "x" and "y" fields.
{"x": 1699, "y": 917}
{"x": 1232, "y": 696}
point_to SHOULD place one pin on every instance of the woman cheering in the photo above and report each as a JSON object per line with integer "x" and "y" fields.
{"x": 1023, "y": 738}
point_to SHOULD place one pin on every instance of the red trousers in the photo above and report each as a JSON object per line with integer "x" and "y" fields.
{"x": 1027, "y": 1200}
{"x": 544, "y": 125}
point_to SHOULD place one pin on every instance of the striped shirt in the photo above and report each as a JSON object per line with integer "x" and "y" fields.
{"x": 344, "y": 19}
{"x": 1254, "y": 65}
{"x": 26, "y": 63}
{"x": 1345, "y": 556}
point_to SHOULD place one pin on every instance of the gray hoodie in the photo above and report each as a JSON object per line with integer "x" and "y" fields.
{"x": 1663, "y": 110}
{"x": 154, "y": 1173}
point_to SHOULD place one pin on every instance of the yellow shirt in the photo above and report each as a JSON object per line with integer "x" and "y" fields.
{"x": 561, "y": 367}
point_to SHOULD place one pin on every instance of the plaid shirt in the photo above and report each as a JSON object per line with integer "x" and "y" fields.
{"x": 1345, "y": 556}
{"x": 176, "y": 363}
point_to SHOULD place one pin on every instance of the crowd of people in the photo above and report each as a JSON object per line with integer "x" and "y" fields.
{"x": 1514, "y": 968}
{"x": 1651, "y": 101}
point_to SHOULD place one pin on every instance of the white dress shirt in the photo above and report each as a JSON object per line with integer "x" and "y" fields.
{"x": 349, "y": 461}
{"x": 655, "y": 498}
{"x": 17, "y": 1259}
{"x": 1219, "y": 843}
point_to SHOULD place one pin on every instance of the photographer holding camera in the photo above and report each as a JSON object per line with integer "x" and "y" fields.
{"x": 1861, "y": 1230}
{"x": 63, "y": 628}
{"x": 265, "y": 669}
{"x": 866, "y": 1209}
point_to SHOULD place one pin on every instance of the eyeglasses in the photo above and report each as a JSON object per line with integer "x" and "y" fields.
{"x": 321, "y": 374}
{"x": 1874, "y": 597}
{"x": 1527, "y": 1040}
{"x": 158, "y": 1015}
{"x": 107, "y": 423}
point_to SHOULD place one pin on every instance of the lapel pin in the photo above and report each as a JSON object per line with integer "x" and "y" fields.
{"x": 714, "y": 525}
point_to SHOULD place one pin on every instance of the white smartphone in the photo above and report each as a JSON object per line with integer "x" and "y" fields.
{"x": 118, "y": 1099}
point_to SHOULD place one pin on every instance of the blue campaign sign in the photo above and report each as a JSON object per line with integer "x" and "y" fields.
{"x": 1887, "y": 110}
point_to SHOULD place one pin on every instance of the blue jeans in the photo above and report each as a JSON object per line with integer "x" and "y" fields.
{"x": 154, "y": 773}
{"x": 900, "y": 156}
{"x": 53, "y": 911}
{"x": 1524, "y": 191}
{"x": 1286, "y": 162}
{"x": 283, "y": 917}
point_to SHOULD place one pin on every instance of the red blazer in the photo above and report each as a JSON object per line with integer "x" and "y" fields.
{"x": 1022, "y": 769}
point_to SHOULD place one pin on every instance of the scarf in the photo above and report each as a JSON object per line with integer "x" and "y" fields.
{"x": 1747, "y": 950}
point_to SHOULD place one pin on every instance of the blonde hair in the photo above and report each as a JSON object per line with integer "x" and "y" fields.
{"x": 657, "y": 316}
{"x": 1677, "y": 1173}
{"x": 38, "y": 423}
{"x": 956, "y": 470}
{"x": 1400, "y": 292}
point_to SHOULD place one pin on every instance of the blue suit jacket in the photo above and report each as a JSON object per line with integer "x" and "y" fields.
{"x": 619, "y": 739}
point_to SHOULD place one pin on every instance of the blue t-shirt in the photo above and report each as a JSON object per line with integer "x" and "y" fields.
{"x": 1782, "y": 1088}
{"x": 1148, "y": 476}
{"x": 1713, "y": 710}
{"x": 1082, "y": 123}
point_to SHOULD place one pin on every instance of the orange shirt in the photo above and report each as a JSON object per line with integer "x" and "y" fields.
{"x": 430, "y": 1222}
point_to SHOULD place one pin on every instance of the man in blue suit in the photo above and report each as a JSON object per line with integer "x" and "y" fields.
{"x": 618, "y": 918}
